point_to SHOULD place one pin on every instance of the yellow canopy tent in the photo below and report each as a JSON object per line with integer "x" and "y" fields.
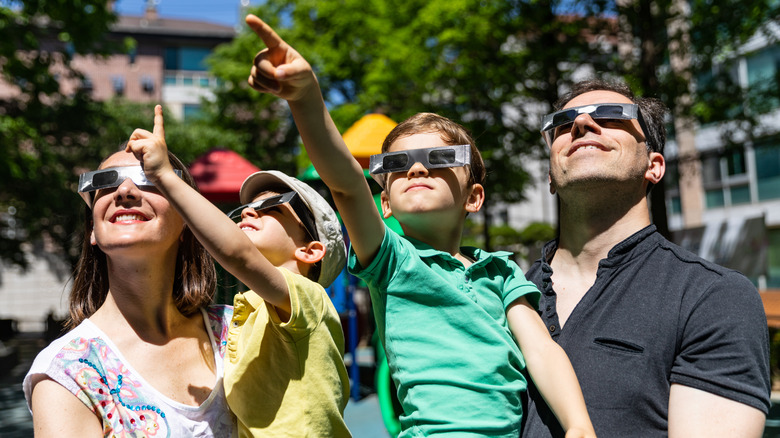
{"x": 365, "y": 137}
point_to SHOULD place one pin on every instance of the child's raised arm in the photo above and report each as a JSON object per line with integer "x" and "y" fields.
{"x": 221, "y": 237}
{"x": 283, "y": 72}
{"x": 550, "y": 369}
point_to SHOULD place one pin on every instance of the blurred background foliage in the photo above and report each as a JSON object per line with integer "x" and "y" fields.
{"x": 492, "y": 65}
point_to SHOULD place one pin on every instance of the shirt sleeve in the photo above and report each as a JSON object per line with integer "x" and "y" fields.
{"x": 307, "y": 306}
{"x": 724, "y": 346}
{"x": 381, "y": 270}
{"x": 516, "y": 286}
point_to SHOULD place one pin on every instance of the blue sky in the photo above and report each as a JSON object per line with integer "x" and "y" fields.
{"x": 224, "y": 12}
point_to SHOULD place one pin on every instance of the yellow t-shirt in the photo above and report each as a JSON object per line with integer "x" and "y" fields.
{"x": 287, "y": 379}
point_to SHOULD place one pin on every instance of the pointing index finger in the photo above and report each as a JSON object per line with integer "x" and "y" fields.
{"x": 159, "y": 128}
{"x": 264, "y": 31}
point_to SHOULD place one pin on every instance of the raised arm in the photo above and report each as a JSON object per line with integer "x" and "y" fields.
{"x": 283, "y": 72}
{"x": 216, "y": 232}
{"x": 550, "y": 369}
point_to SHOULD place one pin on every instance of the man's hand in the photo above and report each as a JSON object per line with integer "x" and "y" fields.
{"x": 279, "y": 69}
{"x": 150, "y": 148}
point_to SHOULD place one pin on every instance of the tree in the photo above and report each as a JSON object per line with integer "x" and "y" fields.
{"x": 43, "y": 133}
{"x": 477, "y": 62}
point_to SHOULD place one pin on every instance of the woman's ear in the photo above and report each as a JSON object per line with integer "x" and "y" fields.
{"x": 476, "y": 198}
{"x": 92, "y": 240}
{"x": 656, "y": 168}
{"x": 386, "y": 210}
{"x": 310, "y": 253}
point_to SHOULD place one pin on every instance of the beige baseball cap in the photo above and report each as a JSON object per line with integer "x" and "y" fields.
{"x": 325, "y": 220}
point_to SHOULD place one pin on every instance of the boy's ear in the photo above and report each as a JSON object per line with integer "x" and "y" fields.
{"x": 311, "y": 253}
{"x": 476, "y": 198}
{"x": 386, "y": 210}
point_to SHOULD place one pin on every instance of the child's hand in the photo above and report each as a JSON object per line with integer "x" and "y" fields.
{"x": 150, "y": 148}
{"x": 279, "y": 69}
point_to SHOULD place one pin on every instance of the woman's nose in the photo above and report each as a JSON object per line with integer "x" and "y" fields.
{"x": 127, "y": 190}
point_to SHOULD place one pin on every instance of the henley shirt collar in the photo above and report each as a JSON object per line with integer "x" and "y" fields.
{"x": 617, "y": 255}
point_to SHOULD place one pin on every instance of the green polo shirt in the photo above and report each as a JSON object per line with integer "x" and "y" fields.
{"x": 450, "y": 351}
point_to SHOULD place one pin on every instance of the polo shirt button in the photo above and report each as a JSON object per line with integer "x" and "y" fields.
{"x": 552, "y": 328}
{"x": 548, "y": 308}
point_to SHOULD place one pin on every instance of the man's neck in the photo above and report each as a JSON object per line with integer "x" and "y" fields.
{"x": 590, "y": 229}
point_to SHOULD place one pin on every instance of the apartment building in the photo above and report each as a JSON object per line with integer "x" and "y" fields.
{"x": 737, "y": 221}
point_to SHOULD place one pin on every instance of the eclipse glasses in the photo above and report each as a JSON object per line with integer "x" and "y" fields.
{"x": 600, "y": 111}
{"x": 430, "y": 158}
{"x": 89, "y": 182}
{"x": 296, "y": 203}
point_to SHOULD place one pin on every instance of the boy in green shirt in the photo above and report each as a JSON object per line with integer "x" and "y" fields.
{"x": 446, "y": 315}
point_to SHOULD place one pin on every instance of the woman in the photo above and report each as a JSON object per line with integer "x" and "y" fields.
{"x": 144, "y": 354}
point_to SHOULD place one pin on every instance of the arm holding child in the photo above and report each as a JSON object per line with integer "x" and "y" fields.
{"x": 280, "y": 70}
{"x": 550, "y": 368}
{"x": 225, "y": 241}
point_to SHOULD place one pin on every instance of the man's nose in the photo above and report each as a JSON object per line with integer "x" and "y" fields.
{"x": 582, "y": 124}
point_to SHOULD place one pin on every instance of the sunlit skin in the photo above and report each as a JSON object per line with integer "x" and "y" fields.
{"x": 275, "y": 231}
{"x": 133, "y": 219}
{"x": 427, "y": 199}
{"x": 592, "y": 155}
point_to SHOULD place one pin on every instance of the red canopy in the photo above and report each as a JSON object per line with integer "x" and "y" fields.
{"x": 219, "y": 174}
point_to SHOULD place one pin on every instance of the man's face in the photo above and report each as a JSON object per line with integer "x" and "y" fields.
{"x": 597, "y": 154}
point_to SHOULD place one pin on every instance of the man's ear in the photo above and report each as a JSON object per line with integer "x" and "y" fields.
{"x": 656, "y": 168}
{"x": 476, "y": 198}
{"x": 386, "y": 210}
{"x": 310, "y": 253}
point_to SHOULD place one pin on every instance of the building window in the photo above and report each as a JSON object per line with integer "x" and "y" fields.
{"x": 714, "y": 198}
{"x": 186, "y": 58}
{"x": 725, "y": 178}
{"x": 762, "y": 77}
{"x": 773, "y": 279}
{"x": 86, "y": 85}
{"x": 675, "y": 205}
{"x": 192, "y": 111}
{"x": 768, "y": 170}
{"x": 118, "y": 84}
{"x": 740, "y": 194}
{"x": 147, "y": 84}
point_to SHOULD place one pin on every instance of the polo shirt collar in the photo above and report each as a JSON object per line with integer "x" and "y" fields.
{"x": 479, "y": 256}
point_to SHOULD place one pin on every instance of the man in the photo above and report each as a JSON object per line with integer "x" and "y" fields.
{"x": 663, "y": 342}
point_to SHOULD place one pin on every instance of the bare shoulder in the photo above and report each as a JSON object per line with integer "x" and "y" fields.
{"x": 58, "y": 412}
